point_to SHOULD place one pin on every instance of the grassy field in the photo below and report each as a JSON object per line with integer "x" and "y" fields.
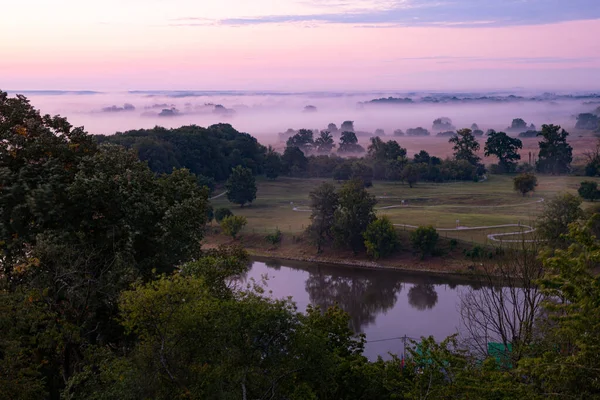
{"x": 492, "y": 202}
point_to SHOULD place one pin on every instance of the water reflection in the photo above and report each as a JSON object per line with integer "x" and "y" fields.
{"x": 383, "y": 304}
{"x": 363, "y": 297}
{"x": 422, "y": 296}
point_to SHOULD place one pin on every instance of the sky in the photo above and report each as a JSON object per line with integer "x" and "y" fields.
{"x": 300, "y": 45}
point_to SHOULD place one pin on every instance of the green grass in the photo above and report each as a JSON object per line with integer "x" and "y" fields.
{"x": 493, "y": 202}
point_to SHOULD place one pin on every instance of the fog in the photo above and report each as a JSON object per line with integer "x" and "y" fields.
{"x": 264, "y": 115}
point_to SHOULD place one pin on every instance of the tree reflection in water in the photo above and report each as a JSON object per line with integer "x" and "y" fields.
{"x": 361, "y": 294}
{"x": 422, "y": 296}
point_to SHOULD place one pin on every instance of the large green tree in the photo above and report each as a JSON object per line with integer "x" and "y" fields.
{"x": 504, "y": 147}
{"x": 241, "y": 186}
{"x": 381, "y": 238}
{"x": 79, "y": 224}
{"x": 558, "y": 214}
{"x": 465, "y": 146}
{"x": 555, "y": 153}
{"x": 353, "y": 215}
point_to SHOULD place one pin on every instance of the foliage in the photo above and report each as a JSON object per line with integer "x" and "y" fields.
{"x": 233, "y": 224}
{"x": 410, "y": 174}
{"x": 465, "y": 146}
{"x": 221, "y": 213}
{"x": 294, "y": 161}
{"x": 324, "y": 142}
{"x": 555, "y": 153}
{"x": 241, "y": 186}
{"x": 381, "y": 238}
{"x": 324, "y": 201}
{"x": 303, "y": 140}
{"x": 80, "y": 223}
{"x": 588, "y": 190}
{"x": 443, "y": 124}
{"x": 419, "y": 131}
{"x": 569, "y": 353}
{"x": 211, "y": 151}
{"x": 558, "y": 213}
{"x": 382, "y": 151}
{"x": 505, "y": 148}
{"x": 347, "y": 126}
{"x": 274, "y": 238}
{"x": 273, "y": 164}
{"x": 424, "y": 240}
{"x": 349, "y": 143}
{"x": 587, "y": 121}
{"x": 525, "y": 183}
{"x": 353, "y": 216}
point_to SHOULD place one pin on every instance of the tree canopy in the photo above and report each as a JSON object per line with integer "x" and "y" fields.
{"x": 241, "y": 186}
{"x": 555, "y": 154}
{"x": 504, "y": 147}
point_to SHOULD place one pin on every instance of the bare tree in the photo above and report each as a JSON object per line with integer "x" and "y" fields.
{"x": 506, "y": 305}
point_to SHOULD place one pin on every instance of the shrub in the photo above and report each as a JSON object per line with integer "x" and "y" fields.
{"x": 588, "y": 190}
{"x": 424, "y": 240}
{"x": 233, "y": 224}
{"x": 525, "y": 183}
{"x": 381, "y": 238}
{"x": 221, "y": 213}
{"x": 274, "y": 238}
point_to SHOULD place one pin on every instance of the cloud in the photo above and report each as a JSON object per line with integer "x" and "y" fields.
{"x": 459, "y": 13}
{"x": 500, "y": 60}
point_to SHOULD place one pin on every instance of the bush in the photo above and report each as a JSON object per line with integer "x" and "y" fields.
{"x": 381, "y": 238}
{"x": 525, "y": 183}
{"x": 274, "y": 238}
{"x": 233, "y": 224}
{"x": 221, "y": 213}
{"x": 588, "y": 190}
{"x": 478, "y": 253}
{"x": 424, "y": 240}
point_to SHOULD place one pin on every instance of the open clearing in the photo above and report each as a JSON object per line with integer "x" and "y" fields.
{"x": 473, "y": 204}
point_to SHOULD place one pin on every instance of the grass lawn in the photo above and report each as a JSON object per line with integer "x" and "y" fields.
{"x": 492, "y": 202}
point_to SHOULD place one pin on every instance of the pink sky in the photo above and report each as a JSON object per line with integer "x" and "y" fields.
{"x": 184, "y": 44}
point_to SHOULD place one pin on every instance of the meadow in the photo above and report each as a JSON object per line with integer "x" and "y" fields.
{"x": 442, "y": 205}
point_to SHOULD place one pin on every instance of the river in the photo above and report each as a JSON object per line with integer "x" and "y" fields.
{"x": 383, "y": 304}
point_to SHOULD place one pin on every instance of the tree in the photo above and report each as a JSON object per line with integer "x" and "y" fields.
{"x": 343, "y": 171}
{"x": 558, "y": 213}
{"x": 303, "y": 140}
{"x": 221, "y": 213}
{"x": 505, "y": 148}
{"x": 518, "y": 125}
{"x": 349, "y": 143}
{"x": 233, "y": 224}
{"x": 362, "y": 172}
{"x": 410, "y": 174}
{"x": 324, "y": 142}
{"x": 382, "y": 151}
{"x": 353, "y": 215}
{"x": 80, "y": 223}
{"x": 555, "y": 154}
{"x": 294, "y": 161}
{"x": 588, "y": 190}
{"x": 443, "y": 124}
{"x": 381, "y": 238}
{"x": 241, "y": 186}
{"x": 587, "y": 121}
{"x": 398, "y": 132}
{"x": 509, "y": 313}
{"x": 323, "y": 203}
{"x": 422, "y": 157}
{"x": 273, "y": 164}
{"x": 424, "y": 240}
{"x": 525, "y": 183}
{"x": 347, "y": 126}
{"x": 332, "y": 128}
{"x": 465, "y": 146}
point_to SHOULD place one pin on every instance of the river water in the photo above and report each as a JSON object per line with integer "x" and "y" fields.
{"x": 383, "y": 304}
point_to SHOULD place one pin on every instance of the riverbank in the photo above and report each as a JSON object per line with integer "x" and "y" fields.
{"x": 297, "y": 248}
